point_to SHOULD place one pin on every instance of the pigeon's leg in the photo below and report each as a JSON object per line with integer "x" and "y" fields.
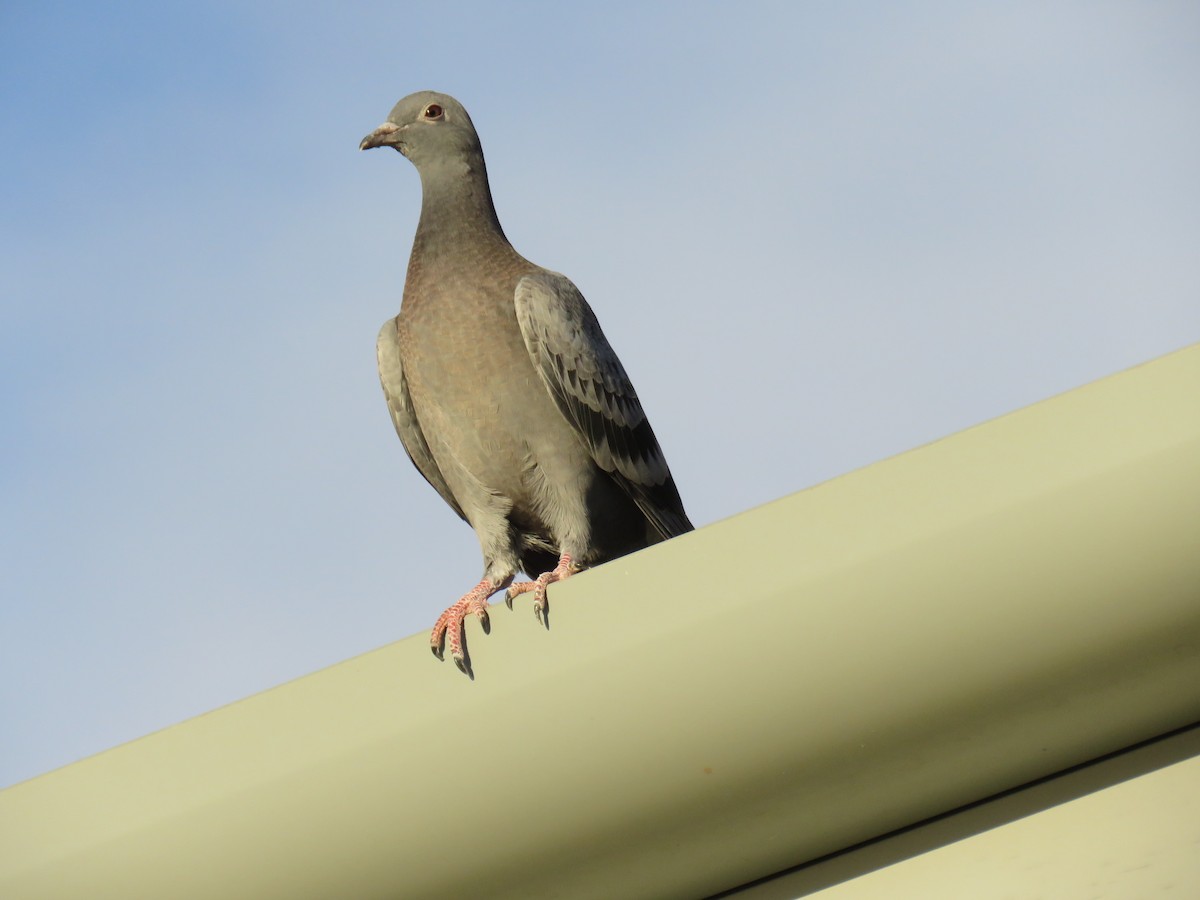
{"x": 565, "y": 568}
{"x": 449, "y": 627}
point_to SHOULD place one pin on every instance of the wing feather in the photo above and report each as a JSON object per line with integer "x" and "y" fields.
{"x": 592, "y": 391}
{"x": 395, "y": 391}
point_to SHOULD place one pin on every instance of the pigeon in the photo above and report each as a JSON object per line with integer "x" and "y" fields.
{"x": 505, "y": 392}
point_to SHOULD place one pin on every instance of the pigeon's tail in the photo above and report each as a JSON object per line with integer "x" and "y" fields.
{"x": 662, "y": 507}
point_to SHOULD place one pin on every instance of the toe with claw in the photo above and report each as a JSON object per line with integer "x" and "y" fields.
{"x": 449, "y": 628}
{"x": 562, "y": 571}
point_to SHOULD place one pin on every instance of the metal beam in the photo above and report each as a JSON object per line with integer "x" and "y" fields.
{"x": 941, "y": 626}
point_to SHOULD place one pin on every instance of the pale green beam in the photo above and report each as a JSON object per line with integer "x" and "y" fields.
{"x": 988, "y": 609}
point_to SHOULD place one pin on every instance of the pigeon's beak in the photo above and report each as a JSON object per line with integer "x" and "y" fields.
{"x": 386, "y": 135}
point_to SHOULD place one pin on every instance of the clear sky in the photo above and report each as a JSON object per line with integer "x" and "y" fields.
{"x": 818, "y": 234}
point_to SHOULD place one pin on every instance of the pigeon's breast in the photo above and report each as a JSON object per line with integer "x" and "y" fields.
{"x": 481, "y": 403}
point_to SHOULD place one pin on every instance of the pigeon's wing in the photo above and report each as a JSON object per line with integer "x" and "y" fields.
{"x": 592, "y": 391}
{"x": 395, "y": 391}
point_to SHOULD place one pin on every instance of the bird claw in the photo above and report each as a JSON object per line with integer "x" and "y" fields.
{"x": 449, "y": 629}
{"x": 524, "y": 587}
{"x": 541, "y": 607}
{"x": 464, "y": 667}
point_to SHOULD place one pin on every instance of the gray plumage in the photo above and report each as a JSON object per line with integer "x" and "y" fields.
{"x": 504, "y": 390}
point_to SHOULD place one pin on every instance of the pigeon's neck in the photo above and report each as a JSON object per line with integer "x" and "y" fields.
{"x": 456, "y": 204}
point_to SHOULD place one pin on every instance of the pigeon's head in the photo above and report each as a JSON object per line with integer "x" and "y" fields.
{"x": 427, "y": 127}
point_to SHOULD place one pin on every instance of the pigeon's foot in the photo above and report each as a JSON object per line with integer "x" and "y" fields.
{"x": 448, "y": 630}
{"x": 564, "y": 569}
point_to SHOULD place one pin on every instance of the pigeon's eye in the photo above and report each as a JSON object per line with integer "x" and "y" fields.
{"x": 433, "y": 111}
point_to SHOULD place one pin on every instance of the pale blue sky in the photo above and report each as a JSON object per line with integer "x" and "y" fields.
{"x": 818, "y": 234}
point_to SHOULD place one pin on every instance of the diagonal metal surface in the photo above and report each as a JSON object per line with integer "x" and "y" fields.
{"x": 936, "y": 628}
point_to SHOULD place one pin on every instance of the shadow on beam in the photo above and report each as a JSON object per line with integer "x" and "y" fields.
{"x": 976, "y": 818}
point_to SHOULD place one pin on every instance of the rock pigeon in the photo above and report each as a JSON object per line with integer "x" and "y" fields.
{"x": 504, "y": 390}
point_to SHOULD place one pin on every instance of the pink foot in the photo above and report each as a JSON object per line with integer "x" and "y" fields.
{"x": 449, "y": 627}
{"x": 563, "y": 570}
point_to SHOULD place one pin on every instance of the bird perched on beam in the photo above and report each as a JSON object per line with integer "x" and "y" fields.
{"x": 504, "y": 390}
